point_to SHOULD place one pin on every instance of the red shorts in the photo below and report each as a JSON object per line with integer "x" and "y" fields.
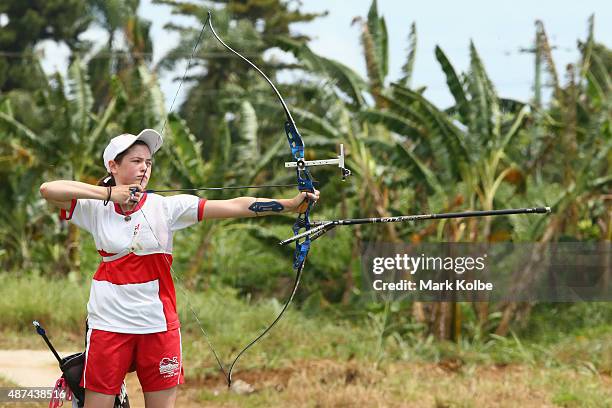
{"x": 156, "y": 357}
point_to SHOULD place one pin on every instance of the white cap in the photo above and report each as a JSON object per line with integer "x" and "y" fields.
{"x": 121, "y": 143}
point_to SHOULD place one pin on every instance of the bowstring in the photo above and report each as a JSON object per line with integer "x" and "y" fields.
{"x": 228, "y": 374}
{"x": 181, "y": 286}
{"x": 164, "y": 254}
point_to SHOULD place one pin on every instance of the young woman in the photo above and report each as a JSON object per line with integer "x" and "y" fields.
{"x": 131, "y": 314}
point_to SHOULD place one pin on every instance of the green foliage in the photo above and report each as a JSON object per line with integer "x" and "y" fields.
{"x": 376, "y": 38}
{"x": 30, "y": 23}
{"x": 46, "y": 147}
{"x": 335, "y": 73}
{"x": 228, "y": 81}
{"x": 408, "y": 67}
{"x": 407, "y": 155}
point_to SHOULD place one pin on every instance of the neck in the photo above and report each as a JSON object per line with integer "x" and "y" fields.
{"x": 127, "y": 207}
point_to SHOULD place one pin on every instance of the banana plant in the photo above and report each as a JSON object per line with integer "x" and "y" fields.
{"x": 61, "y": 132}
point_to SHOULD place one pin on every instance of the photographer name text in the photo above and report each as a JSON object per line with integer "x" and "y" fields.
{"x": 433, "y": 286}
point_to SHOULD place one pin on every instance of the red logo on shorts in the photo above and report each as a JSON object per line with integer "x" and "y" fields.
{"x": 169, "y": 367}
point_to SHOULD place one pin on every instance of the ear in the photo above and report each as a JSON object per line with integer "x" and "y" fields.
{"x": 114, "y": 167}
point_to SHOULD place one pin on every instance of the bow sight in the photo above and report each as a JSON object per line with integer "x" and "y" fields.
{"x": 302, "y": 164}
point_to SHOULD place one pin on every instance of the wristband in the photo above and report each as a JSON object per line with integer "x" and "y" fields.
{"x": 109, "y": 195}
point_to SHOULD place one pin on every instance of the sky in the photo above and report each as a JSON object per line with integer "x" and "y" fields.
{"x": 500, "y": 30}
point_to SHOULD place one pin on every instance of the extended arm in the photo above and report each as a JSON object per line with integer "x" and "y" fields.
{"x": 242, "y": 207}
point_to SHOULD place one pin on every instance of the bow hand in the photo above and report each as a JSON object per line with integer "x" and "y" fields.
{"x": 304, "y": 199}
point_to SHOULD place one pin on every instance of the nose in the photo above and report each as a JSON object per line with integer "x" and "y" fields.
{"x": 143, "y": 169}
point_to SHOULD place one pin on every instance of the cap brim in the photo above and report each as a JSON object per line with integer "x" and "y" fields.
{"x": 152, "y": 138}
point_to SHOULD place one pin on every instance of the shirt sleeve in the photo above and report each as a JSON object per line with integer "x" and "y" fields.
{"x": 81, "y": 213}
{"x": 184, "y": 210}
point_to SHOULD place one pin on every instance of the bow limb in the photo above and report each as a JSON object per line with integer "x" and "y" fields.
{"x": 304, "y": 183}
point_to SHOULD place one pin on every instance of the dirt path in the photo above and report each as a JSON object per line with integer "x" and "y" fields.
{"x": 38, "y": 368}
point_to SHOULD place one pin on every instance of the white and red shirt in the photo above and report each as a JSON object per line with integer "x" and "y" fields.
{"x": 132, "y": 290}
